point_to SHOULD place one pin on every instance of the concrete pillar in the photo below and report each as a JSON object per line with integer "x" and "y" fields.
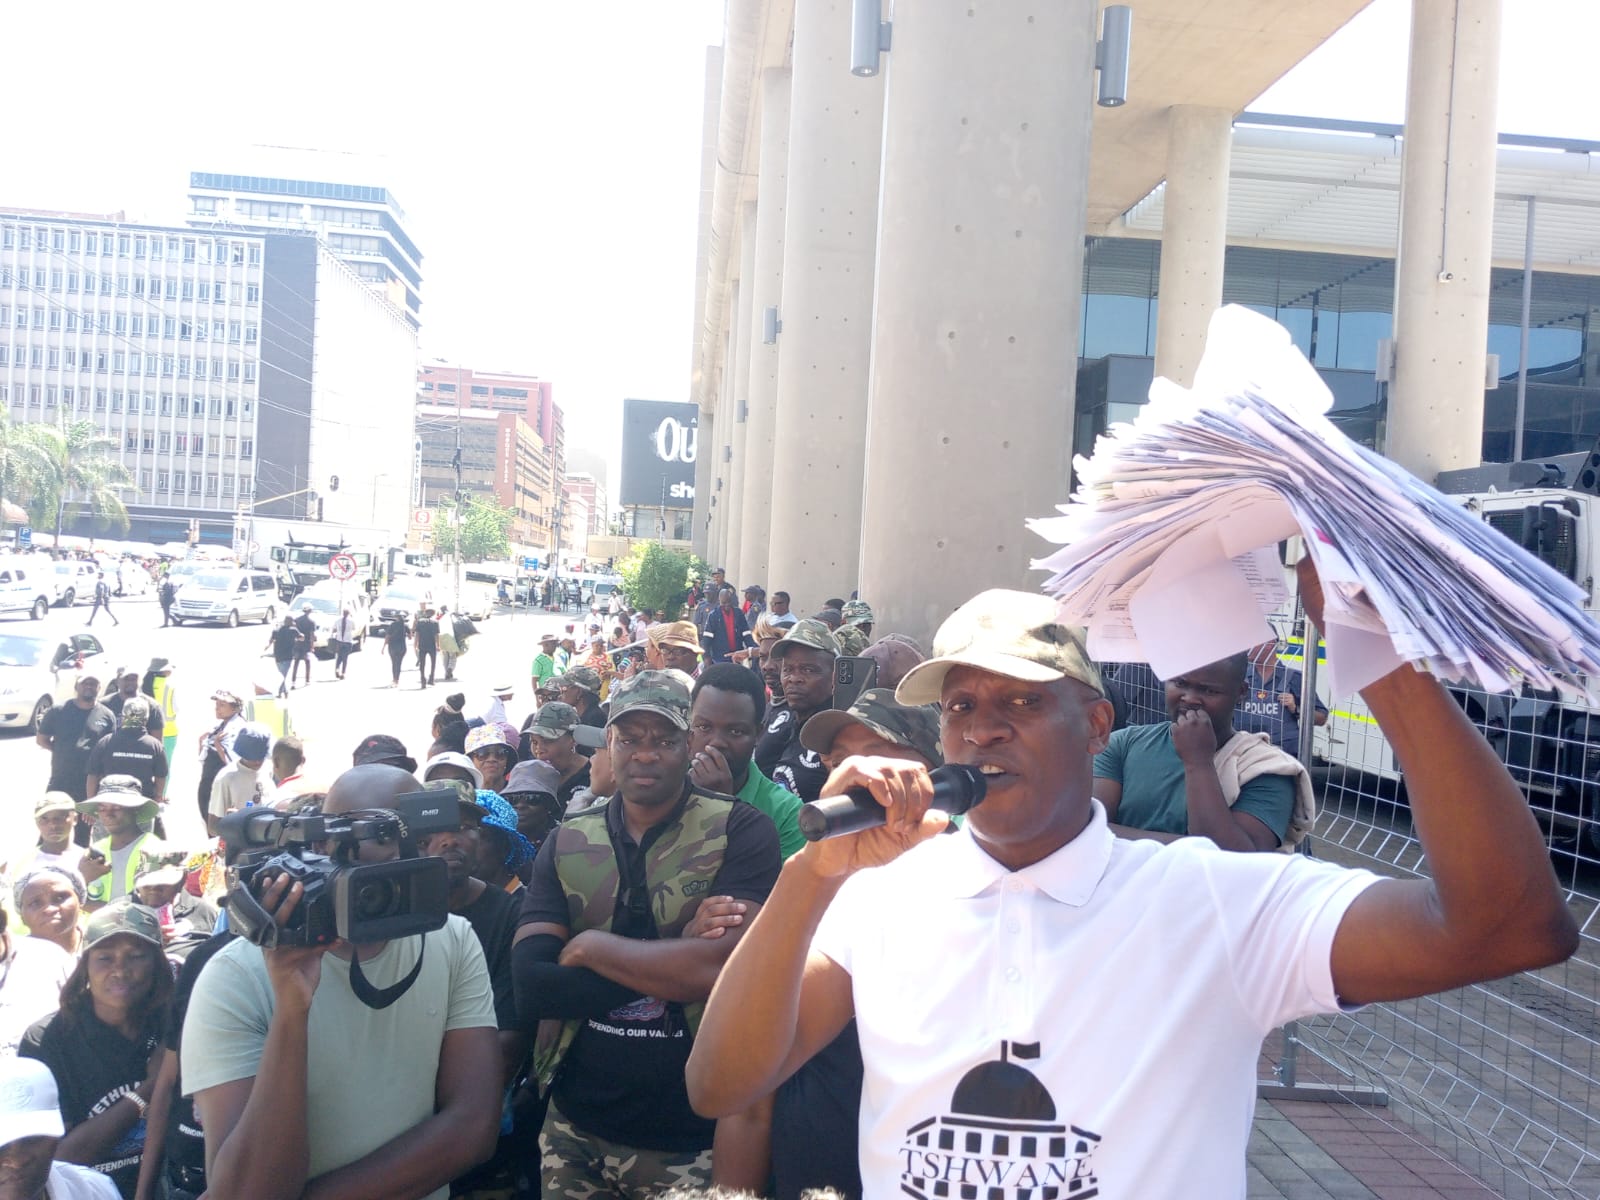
{"x": 720, "y": 451}
{"x": 1194, "y": 235}
{"x": 739, "y": 392}
{"x": 705, "y": 457}
{"x": 765, "y": 291}
{"x": 979, "y": 273}
{"x": 1441, "y": 290}
{"x": 830, "y": 237}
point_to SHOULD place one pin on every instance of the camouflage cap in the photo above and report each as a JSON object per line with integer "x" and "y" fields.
{"x": 914, "y": 727}
{"x": 659, "y": 692}
{"x": 810, "y": 633}
{"x": 135, "y": 712}
{"x": 852, "y": 641}
{"x": 554, "y": 719}
{"x": 1015, "y": 634}
{"x": 675, "y": 633}
{"x": 585, "y": 678}
{"x": 856, "y": 612}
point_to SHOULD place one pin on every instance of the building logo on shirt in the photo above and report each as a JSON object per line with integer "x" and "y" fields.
{"x": 999, "y": 1141}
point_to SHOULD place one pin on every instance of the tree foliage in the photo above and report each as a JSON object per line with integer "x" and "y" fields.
{"x": 655, "y": 577}
{"x": 43, "y": 467}
{"x": 485, "y": 530}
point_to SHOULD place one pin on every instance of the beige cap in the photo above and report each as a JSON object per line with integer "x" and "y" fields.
{"x": 682, "y": 634}
{"x": 1015, "y": 634}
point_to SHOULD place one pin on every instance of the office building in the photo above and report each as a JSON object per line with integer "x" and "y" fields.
{"x": 230, "y": 370}
{"x": 363, "y": 226}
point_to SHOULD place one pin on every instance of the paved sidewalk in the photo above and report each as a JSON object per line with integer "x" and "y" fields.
{"x": 1305, "y": 1150}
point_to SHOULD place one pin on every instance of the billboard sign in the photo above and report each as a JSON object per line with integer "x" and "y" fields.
{"x": 660, "y": 439}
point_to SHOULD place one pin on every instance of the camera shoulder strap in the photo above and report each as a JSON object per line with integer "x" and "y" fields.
{"x": 376, "y": 997}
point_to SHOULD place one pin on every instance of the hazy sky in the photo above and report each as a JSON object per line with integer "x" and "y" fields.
{"x": 547, "y": 154}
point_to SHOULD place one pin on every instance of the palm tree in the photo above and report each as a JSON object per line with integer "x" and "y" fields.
{"x": 81, "y": 464}
{"x": 27, "y": 459}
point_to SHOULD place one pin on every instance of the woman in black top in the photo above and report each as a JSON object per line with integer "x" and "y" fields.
{"x": 395, "y": 639}
{"x": 104, "y": 1046}
{"x": 284, "y": 642}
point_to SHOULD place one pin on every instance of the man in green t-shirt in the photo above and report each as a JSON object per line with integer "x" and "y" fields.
{"x": 726, "y": 709}
{"x": 544, "y": 663}
{"x": 1161, "y": 781}
{"x": 299, "y": 1078}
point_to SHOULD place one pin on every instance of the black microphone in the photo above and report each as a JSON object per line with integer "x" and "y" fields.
{"x": 956, "y": 788}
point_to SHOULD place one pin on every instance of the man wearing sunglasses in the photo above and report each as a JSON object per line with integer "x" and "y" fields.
{"x": 601, "y": 950}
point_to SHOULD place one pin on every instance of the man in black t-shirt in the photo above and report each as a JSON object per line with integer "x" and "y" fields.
{"x": 637, "y": 869}
{"x": 127, "y": 685}
{"x": 70, "y": 731}
{"x": 425, "y": 635}
{"x": 131, "y": 750}
{"x": 307, "y": 625}
{"x": 805, "y": 657}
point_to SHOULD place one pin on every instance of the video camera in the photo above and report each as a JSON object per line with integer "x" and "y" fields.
{"x": 359, "y": 902}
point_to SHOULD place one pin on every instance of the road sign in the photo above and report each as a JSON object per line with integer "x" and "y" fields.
{"x": 342, "y": 566}
{"x": 422, "y": 518}
{"x": 25, "y": 537}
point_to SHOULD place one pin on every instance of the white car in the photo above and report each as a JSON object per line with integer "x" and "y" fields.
{"x": 74, "y": 582}
{"x": 27, "y": 585}
{"x": 39, "y": 671}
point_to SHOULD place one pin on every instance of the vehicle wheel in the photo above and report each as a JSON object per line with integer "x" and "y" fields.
{"x": 69, "y": 598}
{"x": 233, "y": 619}
{"x": 272, "y": 615}
{"x": 40, "y": 607}
{"x": 39, "y": 711}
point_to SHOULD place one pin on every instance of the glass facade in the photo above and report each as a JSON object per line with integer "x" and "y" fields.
{"x": 1338, "y": 307}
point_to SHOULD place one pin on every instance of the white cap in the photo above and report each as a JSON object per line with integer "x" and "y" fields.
{"x": 29, "y": 1103}
{"x": 450, "y": 758}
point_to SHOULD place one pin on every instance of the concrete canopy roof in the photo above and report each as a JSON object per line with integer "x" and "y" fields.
{"x": 1212, "y": 53}
{"x": 1335, "y": 186}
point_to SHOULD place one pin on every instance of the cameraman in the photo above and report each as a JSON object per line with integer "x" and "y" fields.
{"x": 306, "y": 1088}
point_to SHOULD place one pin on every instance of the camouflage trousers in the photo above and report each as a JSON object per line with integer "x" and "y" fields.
{"x": 579, "y": 1166}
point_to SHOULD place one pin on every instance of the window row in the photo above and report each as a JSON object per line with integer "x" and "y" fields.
{"x": 129, "y": 245}
{"x": 49, "y": 395}
{"x": 152, "y": 287}
{"x": 125, "y": 362}
{"x": 183, "y": 329}
{"x": 194, "y": 483}
{"x": 210, "y": 445}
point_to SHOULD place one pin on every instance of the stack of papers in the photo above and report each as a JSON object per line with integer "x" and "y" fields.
{"x": 1169, "y": 546}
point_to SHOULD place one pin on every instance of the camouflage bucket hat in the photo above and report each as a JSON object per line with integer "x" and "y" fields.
{"x": 659, "y": 692}
{"x": 856, "y": 612}
{"x": 1015, "y": 634}
{"x": 586, "y": 678}
{"x": 682, "y": 634}
{"x": 914, "y": 727}
{"x": 554, "y": 719}
{"x": 852, "y": 641}
{"x": 810, "y": 633}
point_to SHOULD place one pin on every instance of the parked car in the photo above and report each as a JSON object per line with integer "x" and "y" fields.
{"x": 38, "y": 671}
{"x": 74, "y": 582}
{"x": 26, "y": 585}
{"x": 229, "y": 595}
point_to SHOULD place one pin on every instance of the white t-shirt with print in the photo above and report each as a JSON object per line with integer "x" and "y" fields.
{"x": 236, "y": 786}
{"x": 1089, "y": 1024}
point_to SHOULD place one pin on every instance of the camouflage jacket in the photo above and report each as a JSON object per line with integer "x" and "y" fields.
{"x": 680, "y": 866}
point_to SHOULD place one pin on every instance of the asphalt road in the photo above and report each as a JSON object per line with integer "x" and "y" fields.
{"x": 330, "y": 715}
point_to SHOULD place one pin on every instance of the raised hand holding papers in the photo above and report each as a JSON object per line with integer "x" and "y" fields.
{"x": 1169, "y": 545}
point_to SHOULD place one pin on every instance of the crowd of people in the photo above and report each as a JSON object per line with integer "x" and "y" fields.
{"x": 648, "y": 979}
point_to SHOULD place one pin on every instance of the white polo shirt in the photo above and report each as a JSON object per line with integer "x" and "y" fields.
{"x": 1087, "y": 1026}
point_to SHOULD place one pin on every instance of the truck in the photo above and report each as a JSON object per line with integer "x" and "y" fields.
{"x": 298, "y": 552}
{"x": 1550, "y": 744}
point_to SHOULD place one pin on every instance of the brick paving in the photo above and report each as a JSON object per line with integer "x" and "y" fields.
{"x": 1306, "y": 1150}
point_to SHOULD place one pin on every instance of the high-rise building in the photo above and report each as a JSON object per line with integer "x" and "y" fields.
{"x": 231, "y": 369}
{"x": 363, "y": 226}
{"x": 512, "y": 444}
{"x": 592, "y": 493}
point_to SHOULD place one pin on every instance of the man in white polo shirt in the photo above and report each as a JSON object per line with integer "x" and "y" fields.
{"x": 1047, "y": 1009}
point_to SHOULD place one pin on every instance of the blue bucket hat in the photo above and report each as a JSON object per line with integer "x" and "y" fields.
{"x": 498, "y": 814}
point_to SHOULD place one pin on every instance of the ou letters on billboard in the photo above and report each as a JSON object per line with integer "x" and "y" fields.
{"x": 675, "y": 442}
